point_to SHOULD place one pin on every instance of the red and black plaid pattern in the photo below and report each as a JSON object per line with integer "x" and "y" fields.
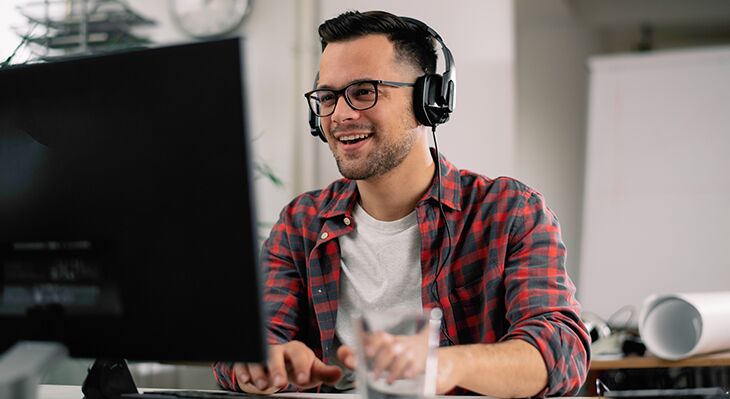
{"x": 504, "y": 279}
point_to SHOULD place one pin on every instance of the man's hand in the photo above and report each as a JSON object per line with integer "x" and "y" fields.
{"x": 447, "y": 375}
{"x": 398, "y": 356}
{"x": 347, "y": 356}
{"x": 293, "y": 363}
{"x": 393, "y": 357}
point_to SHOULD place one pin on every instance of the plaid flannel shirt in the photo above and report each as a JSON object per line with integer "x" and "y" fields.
{"x": 504, "y": 279}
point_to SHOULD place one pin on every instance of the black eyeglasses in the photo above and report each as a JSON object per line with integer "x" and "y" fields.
{"x": 359, "y": 95}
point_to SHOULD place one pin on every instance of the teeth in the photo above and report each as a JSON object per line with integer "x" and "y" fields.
{"x": 354, "y": 137}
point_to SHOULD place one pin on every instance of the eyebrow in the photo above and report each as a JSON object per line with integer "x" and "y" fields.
{"x": 328, "y": 87}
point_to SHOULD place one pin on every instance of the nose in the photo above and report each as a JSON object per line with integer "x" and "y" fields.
{"x": 343, "y": 111}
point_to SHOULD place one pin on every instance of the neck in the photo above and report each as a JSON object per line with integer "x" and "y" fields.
{"x": 394, "y": 195}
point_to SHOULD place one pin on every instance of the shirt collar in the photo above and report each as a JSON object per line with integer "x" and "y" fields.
{"x": 450, "y": 184}
{"x": 345, "y": 199}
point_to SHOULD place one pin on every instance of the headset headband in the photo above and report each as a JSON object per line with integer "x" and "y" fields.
{"x": 449, "y": 74}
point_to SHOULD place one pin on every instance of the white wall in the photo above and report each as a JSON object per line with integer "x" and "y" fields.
{"x": 552, "y": 47}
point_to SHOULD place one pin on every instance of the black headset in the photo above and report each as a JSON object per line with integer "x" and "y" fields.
{"x": 434, "y": 95}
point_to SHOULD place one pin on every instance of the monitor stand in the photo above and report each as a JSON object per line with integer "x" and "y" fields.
{"x": 23, "y": 365}
{"x": 108, "y": 379}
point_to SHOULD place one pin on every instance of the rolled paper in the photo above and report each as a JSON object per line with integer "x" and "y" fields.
{"x": 681, "y": 325}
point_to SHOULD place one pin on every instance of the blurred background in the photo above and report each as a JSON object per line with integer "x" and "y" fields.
{"x": 616, "y": 111}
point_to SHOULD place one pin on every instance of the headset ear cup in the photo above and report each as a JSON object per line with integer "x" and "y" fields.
{"x": 319, "y": 130}
{"x": 315, "y": 126}
{"x": 315, "y": 123}
{"x": 427, "y": 106}
{"x": 421, "y": 99}
{"x": 437, "y": 109}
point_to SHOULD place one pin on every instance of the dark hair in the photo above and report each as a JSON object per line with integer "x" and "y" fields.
{"x": 412, "y": 44}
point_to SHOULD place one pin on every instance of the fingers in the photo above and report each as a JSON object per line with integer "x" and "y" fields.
{"x": 260, "y": 379}
{"x": 401, "y": 367}
{"x": 386, "y": 353}
{"x": 242, "y": 375}
{"x": 259, "y": 376}
{"x": 277, "y": 369}
{"x": 396, "y": 356}
{"x": 292, "y": 362}
{"x": 347, "y": 356}
{"x": 325, "y": 373}
{"x": 299, "y": 358}
{"x": 246, "y": 376}
{"x": 306, "y": 370}
{"x": 376, "y": 341}
{"x": 383, "y": 354}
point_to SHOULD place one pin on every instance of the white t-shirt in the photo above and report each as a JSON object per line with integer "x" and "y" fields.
{"x": 380, "y": 269}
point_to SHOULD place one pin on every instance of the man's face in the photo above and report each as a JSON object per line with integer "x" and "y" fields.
{"x": 374, "y": 141}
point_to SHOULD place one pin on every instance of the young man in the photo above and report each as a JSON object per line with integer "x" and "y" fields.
{"x": 511, "y": 325}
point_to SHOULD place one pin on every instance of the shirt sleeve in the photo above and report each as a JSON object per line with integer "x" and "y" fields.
{"x": 540, "y": 297}
{"x": 225, "y": 376}
{"x": 284, "y": 291}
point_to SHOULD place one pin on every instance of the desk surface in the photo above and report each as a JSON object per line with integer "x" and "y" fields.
{"x": 651, "y": 362}
{"x": 47, "y": 391}
{"x": 644, "y": 362}
{"x": 717, "y": 359}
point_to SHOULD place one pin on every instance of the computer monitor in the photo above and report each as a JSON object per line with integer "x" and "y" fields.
{"x": 127, "y": 218}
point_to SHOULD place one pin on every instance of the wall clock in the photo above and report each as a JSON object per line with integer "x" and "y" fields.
{"x": 206, "y": 19}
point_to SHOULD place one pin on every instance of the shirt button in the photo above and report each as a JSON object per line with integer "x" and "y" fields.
{"x": 347, "y": 221}
{"x": 324, "y": 236}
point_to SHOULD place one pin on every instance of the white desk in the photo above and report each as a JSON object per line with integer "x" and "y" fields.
{"x": 74, "y": 392}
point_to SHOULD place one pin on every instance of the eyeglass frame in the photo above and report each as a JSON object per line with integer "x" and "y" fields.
{"x": 343, "y": 93}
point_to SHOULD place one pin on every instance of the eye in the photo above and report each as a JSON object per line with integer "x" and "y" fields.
{"x": 362, "y": 92}
{"x": 327, "y": 97}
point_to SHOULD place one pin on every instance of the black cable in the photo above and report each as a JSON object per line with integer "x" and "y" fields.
{"x": 440, "y": 264}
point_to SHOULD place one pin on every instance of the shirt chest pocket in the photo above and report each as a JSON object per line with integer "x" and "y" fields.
{"x": 467, "y": 295}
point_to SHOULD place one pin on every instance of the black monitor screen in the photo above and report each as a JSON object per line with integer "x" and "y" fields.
{"x": 127, "y": 225}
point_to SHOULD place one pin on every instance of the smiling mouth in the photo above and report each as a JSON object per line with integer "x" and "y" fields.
{"x": 353, "y": 138}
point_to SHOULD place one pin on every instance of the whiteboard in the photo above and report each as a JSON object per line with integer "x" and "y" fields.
{"x": 656, "y": 215}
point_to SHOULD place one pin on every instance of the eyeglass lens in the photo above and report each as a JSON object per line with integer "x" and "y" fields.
{"x": 359, "y": 95}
